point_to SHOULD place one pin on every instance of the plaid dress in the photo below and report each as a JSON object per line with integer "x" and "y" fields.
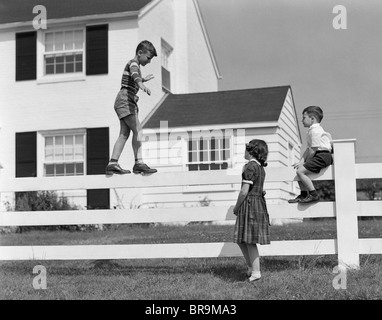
{"x": 252, "y": 221}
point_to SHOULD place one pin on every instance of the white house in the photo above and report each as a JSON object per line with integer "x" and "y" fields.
{"x": 58, "y": 85}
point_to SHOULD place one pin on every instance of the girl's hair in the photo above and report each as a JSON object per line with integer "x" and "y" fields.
{"x": 259, "y": 150}
{"x": 146, "y": 46}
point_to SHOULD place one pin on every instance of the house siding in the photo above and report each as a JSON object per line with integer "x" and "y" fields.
{"x": 85, "y": 102}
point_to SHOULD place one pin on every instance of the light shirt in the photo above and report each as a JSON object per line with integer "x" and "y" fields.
{"x": 318, "y": 138}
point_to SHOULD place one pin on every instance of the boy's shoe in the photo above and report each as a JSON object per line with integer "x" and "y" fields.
{"x": 143, "y": 168}
{"x": 310, "y": 198}
{"x": 299, "y": 198}
{"x": 115, "y": 168}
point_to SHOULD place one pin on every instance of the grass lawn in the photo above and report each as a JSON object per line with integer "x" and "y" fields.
{"x": 286, "y": 278}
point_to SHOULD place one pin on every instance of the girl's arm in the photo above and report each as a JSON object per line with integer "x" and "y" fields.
{"x": 240, "y": 199}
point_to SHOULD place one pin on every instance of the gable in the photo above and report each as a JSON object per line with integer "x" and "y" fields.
{"x": 21, "y": 10}
{"x": 217, "y": 108}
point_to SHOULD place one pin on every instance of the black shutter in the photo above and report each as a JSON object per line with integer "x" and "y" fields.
{"x": 97, "y": 49}
{"x": 26, "y": 56}
{"x": 97, "y": 150}
{"x": 26, "y": 159}
{"x": 98, "y": 199}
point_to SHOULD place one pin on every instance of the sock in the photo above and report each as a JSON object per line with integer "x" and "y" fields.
{"x": 256, "y": 274}
{"x": 138, "y": 161}
{"x": 304, "y": 193}
{"x": 313, "y": 192}
{"x": 249, "y": 270}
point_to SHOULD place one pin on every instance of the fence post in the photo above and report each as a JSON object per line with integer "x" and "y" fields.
{"x": 346, "y": 203}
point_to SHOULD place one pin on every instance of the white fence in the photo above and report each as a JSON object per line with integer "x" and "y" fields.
{"x": 346, "y": 209}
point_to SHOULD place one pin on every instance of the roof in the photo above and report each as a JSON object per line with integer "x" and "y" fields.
{"x": 22, "y": 10}
{"x": 221, "y": 107}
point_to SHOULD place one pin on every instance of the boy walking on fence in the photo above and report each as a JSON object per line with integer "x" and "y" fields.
{"x": 318, "y": 154}
{"x": 127, "y": 110}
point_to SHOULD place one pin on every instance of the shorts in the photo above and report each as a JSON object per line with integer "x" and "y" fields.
{"x": 320, "y": 160}
{"x": 126, "y": 103}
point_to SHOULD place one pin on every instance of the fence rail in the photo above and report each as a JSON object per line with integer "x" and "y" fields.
{"x": 345, "y": 209}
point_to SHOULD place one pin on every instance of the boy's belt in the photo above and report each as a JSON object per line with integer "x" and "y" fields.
{"x": 323, "y": 151}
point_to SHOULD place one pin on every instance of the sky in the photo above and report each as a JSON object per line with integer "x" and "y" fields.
{"x": 262, "y": 43}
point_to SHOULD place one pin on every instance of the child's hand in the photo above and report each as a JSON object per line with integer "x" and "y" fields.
{"x": 144, "y": 88}
{"x": 148, "y": 77}
{"x": 297, "y": 164}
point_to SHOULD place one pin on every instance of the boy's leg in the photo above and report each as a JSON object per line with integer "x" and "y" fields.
{"x": 312, "y": 196}
{"x": 134, "y": 124}
{"x": 113, "y": 166}
{"x": 124, "y": 134}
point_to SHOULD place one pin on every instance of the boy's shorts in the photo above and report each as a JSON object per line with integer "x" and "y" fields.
{"x": 320, "y": 160}
{"x": 125, "y": 103}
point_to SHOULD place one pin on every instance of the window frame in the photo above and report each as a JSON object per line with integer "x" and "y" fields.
{"x": 229, "y": 160}
{"x": 42, "y": 77}
{"x": 41, "y": 151}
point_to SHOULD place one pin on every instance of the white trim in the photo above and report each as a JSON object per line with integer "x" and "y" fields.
{"x": 247, "y": 181}
{"x": 207, "y": 39}
{"x": 211, "y": 127}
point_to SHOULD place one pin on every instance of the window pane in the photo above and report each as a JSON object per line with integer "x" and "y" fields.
{"x": 69, "y": 169}
{"x": 49, "y": 69}
{"x": 48, "y": 47}
{"x": 204, "y": 166}
{"x": 193, "y": 156}
{"x": 79, "y": 147}
{"x": 214, "y": 166}
{"x": 78, "y": 57}
{"x": 78, "y": 45}
{"x": 78, "y": 35}
{"x": 49, "y": 170}
{"x": 69, "y": 148}
{"x": 79, "y": 67}
{"x": 60, "y": 59}
{"x": 69, "y": 67}
{"x": 214, "y": 144}
{"x": 79, "y": 168}
{"x": 69, "y": 58}
{"x": 59, "y": 169}
{"x": 49, "y": 59}
{"x": 59, "y": 148}
{"x": 60, "y": 68}
{"x": 226, "y": 154}
{"x": 49, "y": 37}
{"x": 204, "y": 156}
{"x": 193, "y": 167}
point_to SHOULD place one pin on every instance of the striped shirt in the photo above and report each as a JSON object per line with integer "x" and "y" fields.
{"x": 131, "y": 76}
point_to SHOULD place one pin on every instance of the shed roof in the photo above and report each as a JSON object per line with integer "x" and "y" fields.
{"x": 221, "y": 107}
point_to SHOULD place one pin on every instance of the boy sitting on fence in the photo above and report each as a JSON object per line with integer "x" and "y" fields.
{"x": 318, "y": 154}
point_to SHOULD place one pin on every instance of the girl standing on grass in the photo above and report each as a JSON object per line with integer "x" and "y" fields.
{"x": 252, "y": 222}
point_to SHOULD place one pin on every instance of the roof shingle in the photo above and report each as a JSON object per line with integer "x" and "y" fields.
{"x": 21, "y": 10}
{"x": 222, "y": 107}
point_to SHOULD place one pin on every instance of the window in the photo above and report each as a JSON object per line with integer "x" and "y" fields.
{"x": 166, "y": 51}
{"x": 63, "y": 52}
{"x": 211, "y": 154}
{"x": 64, "y": 154}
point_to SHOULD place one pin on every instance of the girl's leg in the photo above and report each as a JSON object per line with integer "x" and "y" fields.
{"x": 124, "y": 134}
{"x": 254, "y": 258}
{"x": 244, "y": 249}
{"x": 133, "y": 123}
